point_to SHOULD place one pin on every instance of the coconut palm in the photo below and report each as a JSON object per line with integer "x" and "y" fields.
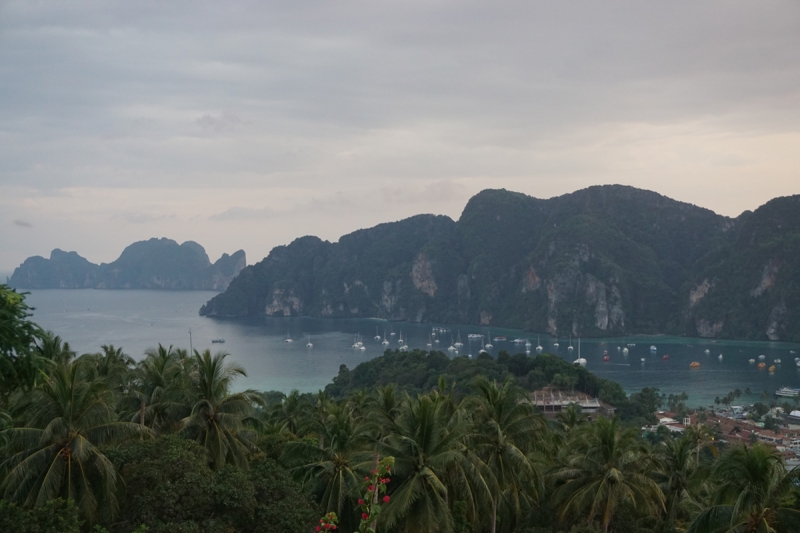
{"x": 678, "y": 469}
{"x": 701, "y": 437}
{"x": 156, "y": 396}
{"x": 53, "y": 348}
{"x": 57, "y": 453}
{"x": 504, "y": 428}
{"x": 290, "y": 412}
{"x": 428, "y": 444}
{"x": 333, "y": 470}
{"x": 606, "y": 467}
{"x": 218, "y": 417}
{"x": 752, "y": 495}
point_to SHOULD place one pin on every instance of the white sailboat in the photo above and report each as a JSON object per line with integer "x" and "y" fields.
{"x": 309, "y": 344}
{"x": 483, "y": 348}
{"x": 538, "y": 345}
{"x": 430, "y": 342}
{"x": 452, "y": 347}
{"x": 400, "y": 339}
{"x": 580, "y": 360}
{"x": 458, "y": 343}
{"x": 570, "y": 348}
{"x": 288, "y": 337}
{"x": 377, "y": 335}
{"x": 384, "y": 342}
{"x": 489, "y": 345}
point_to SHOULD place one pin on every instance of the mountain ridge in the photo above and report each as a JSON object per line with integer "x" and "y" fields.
{"x": 151, "y": 264}
{"x": 607, "y": 260}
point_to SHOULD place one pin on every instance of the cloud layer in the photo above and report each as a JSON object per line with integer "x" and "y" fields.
{"x": 247, "y": 124}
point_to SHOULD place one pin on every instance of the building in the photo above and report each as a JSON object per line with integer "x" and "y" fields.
{"x": 552, "y": 401}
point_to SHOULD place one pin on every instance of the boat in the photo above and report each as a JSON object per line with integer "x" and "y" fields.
{"x": 606, "y": 358}
{"x": 665, "y": 358}
{"x": 308, "y": 344}
{"x": 707, "y": 352}
{"x": 519, "y": 341}
{"x": 404, "y": 348}
{"x": 694, "y": 364}
{"x": 762, "y": 365}
{"x": 719, "y": 357}
{"x": 772, "y": 368}
{"x": 400, "y": 339}
{"x": 787, "y": 392}
{"x": 362, "y": 348}
{"x": 625, "y": 351}
{"x": 570, "y": 348}
{"x": 777, "y": 361}
{"x": 384, "y": 342}
{"x": 474, "y": 336}
{"x": 288, "y": 338}
{"x": 556, "y": 345}
{"x": 605, "y": 352}
{"x": 483, "y": 348}
{"x": 642, "y": 359}
{"x": 451, "y": 348}
{"x": 458, "y": 343}
{"x": 377, "y": 335}
{"x": 499, "y": 338}
{"x": 392, "y": 333}
{"x": 220, "y": 340}
{"x": 538, "y": 345}
{"x": 751, "y": 361}
{"x": 653, "y": 349}
{"x": 797, "y": 363}
{"x": 528, "y": 344}
{"x": 489, "y": 345}
{"x": 762, "y": 357}
{"x": 580, "y": 360}
{"x": 792, "y": 351}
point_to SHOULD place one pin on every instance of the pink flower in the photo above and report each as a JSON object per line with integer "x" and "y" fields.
{"x": 364, "y": 516}
{"x": 317, "y": 528}
{"x": 360, "y": 502}
{"x": 371, "y": 488}
{"x": 385, "y": 499}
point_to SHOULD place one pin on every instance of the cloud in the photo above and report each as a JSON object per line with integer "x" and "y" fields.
{"x": 224, "y": 122}
{"x": 244, "y": 213}
{"x": 22, "y": 224}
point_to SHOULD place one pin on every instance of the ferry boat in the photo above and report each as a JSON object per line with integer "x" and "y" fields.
{"x": 787, "y": 392}
{"x": 220, "y": 340}
{"x": 694, "y": 364}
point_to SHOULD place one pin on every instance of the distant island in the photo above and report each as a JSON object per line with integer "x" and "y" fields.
{"x": 602, "y": 261}
{"x": 151, "y": 264}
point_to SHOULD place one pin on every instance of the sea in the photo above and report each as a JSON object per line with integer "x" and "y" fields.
{"x": 137, "y": 320}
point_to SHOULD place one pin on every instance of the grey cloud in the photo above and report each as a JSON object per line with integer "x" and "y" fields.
{"x": 22, "y": 224}
{"x": 244, "y": 213}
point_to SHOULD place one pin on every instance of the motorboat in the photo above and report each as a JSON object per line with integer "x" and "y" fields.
{"x": 653, "y": 349}
{"x": 777, "y": 361}
{"x": 707, "y": 352}
{"x": 625, "y": 351}
{"x": 751, "y": 361}
{"x": 772, "y": 369}
{"x": 762, "y": 365}
{"x": 220, "y": 340}
{"x": 606, "y": 358}
{"x": 762, "y": 357}
{"x": 694, "y": 364}
{"x": 787, "y": 392}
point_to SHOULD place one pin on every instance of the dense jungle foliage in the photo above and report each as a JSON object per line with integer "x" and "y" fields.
{"x": 603, "y": 261}
{"x": 99, "y": 442}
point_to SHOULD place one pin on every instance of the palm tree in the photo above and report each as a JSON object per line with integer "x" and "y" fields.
{"x": 504, "y": 427}
{"x": 606, "y": 467}
{"x": 428, "y": 444}
{"x": 290, "y": 412}
{"x": 217, "y": 419}
{"x": 156, "y": 396}
{"x": 57, "y": 454}
{"x": 752, "y": 494}
{"x": 677, "y": 473}
{"x": 702, "y": 437}
{"x": 333, "y": 469}
{"x": 51, "y": 347}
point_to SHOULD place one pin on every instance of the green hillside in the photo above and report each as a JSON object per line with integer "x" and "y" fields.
{"x": 603, "y": 261}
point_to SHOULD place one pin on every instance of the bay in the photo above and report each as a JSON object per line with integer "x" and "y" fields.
{"x": 137, "y": 320}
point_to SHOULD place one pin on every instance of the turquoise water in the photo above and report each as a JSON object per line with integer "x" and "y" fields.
{"x": 137, "y": 320}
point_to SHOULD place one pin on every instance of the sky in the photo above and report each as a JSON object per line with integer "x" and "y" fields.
{"x": 248, "y": 124}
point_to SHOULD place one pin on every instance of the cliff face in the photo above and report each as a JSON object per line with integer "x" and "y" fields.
{"x": 152, "y": 264}
{"x": 602, "y": 261}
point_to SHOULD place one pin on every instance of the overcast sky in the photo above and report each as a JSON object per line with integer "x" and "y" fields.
{"x": 248, "y": 124}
